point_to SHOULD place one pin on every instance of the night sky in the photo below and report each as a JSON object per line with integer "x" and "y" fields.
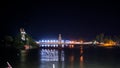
{"x": 74, "y": 20}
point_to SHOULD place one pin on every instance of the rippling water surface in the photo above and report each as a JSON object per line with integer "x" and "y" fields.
{"x": 82, "y": 57}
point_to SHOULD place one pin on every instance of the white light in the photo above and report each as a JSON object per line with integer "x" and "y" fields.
{"x": 48, "y": 41}
{"x": 42, "y": 45}
{"x": 48, "y": 45}
{"x": 62, "y": 41}
{"x": 54, "y": 45}
{"x": 23, "y": 32}
{"x": 62, "y": 45}
{"x": 45, "y": 45}
{"x": 67, "y": 41}
{"x": 42, "y": 40}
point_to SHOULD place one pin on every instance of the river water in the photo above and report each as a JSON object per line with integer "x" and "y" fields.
{"x": 80, "y": 57}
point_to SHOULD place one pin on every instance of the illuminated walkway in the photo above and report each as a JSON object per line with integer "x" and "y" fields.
{"x": 63, "y": 43}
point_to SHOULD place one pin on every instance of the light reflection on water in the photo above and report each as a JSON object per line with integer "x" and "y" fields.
{"x": 50, "y": 57}
{"x": 59, "y": 58}
{"x": 82, "y": 57}
{"x": 81, "y": 61}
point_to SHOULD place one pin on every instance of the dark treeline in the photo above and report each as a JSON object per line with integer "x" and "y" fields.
{"x": 15, "y": 41}
{"x": 105, "y": 38}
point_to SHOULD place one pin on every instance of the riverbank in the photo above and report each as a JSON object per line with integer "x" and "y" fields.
{"x": 8, "y": 54}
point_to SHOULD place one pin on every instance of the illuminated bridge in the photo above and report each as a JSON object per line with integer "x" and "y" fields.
{"x": 60, "y": 42}
{"x": 56, "y": 43}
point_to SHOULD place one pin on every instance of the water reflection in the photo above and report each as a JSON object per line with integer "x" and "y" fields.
{"x": 51, "y": 55}
{"x": 81, "y": 61}
{"x": 81, "y": 57}
{"x": 23, "y": 59}
{"x": 52, "y": 58}
{"x": 23, "y": 56}
{"x": 71, "y": 61}
{"x": 81, "y": 49}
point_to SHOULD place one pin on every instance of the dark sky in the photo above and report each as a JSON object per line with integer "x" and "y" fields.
{"x": 74, "y": 20}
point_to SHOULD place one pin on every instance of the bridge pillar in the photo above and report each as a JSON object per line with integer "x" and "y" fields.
{"x": 60, "y": 41}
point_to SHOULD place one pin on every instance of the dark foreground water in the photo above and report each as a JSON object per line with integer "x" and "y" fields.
{"x": 85, "y": 57}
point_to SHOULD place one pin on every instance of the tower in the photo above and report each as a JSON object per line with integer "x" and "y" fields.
{"x": 60, "y": 39}
{"x": 24, "y": 38}
{"x": 23, "y": 33}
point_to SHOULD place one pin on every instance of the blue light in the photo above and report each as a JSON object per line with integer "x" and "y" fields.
{"x": 51, "y": 45}
{"x": 48, "y": 41}
{"x": 39, "y": 40}
{"x": 45, "y": 45}
{"x": 57, "y": 45}
{"x": 56, "y": 40}
{"x": 62, "y": 41}
{"x": 42, "y": 45}
{"x": 45, "y": 40}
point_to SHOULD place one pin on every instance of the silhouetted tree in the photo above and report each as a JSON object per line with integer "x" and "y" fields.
{"x": 8, "y": 40}
{"x": 116, "y": 39}
{"x": 19, "y": 43}
{"x": 100, "y": 37}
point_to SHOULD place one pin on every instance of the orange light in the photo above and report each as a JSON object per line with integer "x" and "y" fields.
{"x": 81, "y": 61}
{"x": 81, "y": 58}
{"x": 81, "y": 41}
{"x": 72, "y": 46}
{"x": 81, "y": 51}
{"x": 72, "y": 58}
{"x": 109, "y": 44}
